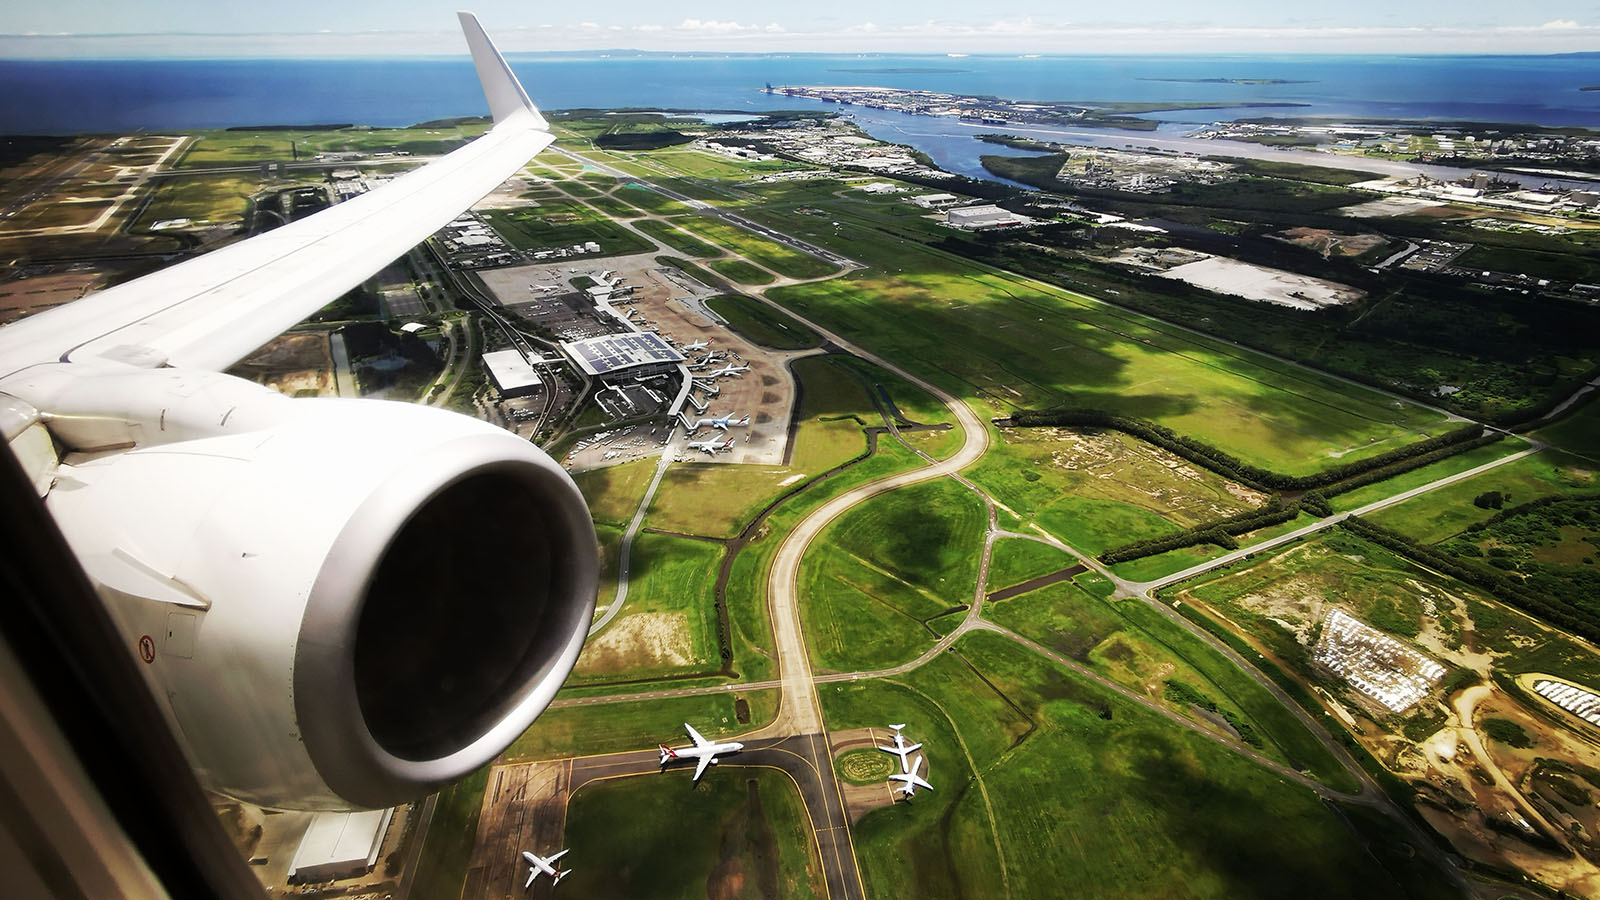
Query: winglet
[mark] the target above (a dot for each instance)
(500, 87)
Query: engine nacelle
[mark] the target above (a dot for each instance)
(346, 605)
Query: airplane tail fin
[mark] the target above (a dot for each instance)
(500, 87)
(562, 874)
(666, 753)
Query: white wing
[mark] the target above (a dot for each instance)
(695, 736)
(210, 312)
(700, 767)
(552, 858)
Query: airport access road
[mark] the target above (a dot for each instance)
(808, 762)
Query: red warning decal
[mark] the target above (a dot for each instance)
(147, 649)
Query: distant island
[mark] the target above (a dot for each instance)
(906, 70)
(1231, 80)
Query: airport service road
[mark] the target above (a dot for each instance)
(671, 450)
(1144, 588)
(807, 760)
(798, 709)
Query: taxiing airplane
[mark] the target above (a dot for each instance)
(288, 527)
(703, 750)
(697, 345)
(901, 748)
(722, 423)
(910, 780)
(543, 865)
(711, 446)
(729, 369)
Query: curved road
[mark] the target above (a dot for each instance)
(798, 709)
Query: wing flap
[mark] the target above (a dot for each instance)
(695, 735)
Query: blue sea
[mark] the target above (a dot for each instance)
(62, 97)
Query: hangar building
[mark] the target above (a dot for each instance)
(511, 373)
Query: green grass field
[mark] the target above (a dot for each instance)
(882, 568)
(741, 271)
(562, 223)
(668, 624)
(763, 324)
(1444, 468)
(218, 199)
(1002, 341)
(1047, 786)
(447, 848)
(1096, 488)
(677, 239)
(1016, 560)
(632, 725)
(649, 200)
(1577, 431)
(613, 492)
(700, 164)
(769, 253)
(233, 148)
(1133, 645)
(615, 208)
(1439, 514)
(740, 833)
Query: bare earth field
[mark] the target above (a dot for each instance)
(1252, 282)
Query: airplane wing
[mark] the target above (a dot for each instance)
(212, 311)
(695, 735)
(700, 767)
(553, 857)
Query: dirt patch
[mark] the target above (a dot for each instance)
(1331, 243)
(641, 640)
(1129, 470)
(296, 365)
(860, 799)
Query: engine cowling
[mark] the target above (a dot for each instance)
(342, 603)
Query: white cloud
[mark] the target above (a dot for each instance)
(1008, 35)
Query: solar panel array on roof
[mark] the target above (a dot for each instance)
(615, 352)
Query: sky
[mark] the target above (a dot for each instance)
(234, 28)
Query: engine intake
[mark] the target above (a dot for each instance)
(345, 607)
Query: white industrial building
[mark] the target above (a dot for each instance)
(936, 201)
(339, 845)
(1373, 663)
(985, 216)
(512, 375)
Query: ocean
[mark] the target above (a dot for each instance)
(71, 96)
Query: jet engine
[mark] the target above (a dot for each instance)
(340, 603)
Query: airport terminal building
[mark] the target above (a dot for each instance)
(631, 355)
